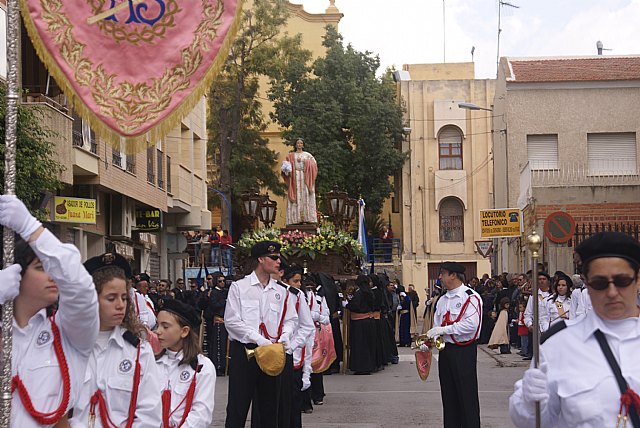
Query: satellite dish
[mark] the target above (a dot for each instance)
(176, 243)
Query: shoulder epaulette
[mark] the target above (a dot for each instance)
(294, 290)
(282, 284)
(131, 338)
(552, 330)
(469, 292)
(194, 364)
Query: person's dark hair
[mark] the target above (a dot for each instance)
(130, 321)
(504, 301)
(561, 276)
(23, 254)
(190, 344)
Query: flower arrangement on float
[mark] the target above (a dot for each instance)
(297, 243)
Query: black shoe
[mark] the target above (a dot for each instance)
(527, 358)
(318, 402)
(307, 411)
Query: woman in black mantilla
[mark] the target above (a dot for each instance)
(381, 308)
(362, 335)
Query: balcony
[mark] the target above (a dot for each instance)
(604, 172)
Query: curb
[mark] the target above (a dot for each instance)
(500, 361)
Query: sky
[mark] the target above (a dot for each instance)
(411, 31)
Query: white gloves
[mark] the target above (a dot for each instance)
(435, 332)
(10, 283)
(534, 385)
(306, 382)
(15, 215)
(287, 346)
(263, 341)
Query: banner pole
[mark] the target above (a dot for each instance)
(11, 124)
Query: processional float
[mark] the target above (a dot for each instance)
(132, 69)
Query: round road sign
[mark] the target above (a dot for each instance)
(559, 227)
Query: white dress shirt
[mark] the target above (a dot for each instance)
(452, 301)
(305, 329)
(582, 303)
(111, 370)
(583, 391)
(551, 308)
(33, 356)
(249, 304)
(178, 378)
(543, 314)
(146, 315)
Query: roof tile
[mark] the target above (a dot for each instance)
(575, 69)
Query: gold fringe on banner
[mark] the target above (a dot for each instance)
(136, 143)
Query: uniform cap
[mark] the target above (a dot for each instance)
(609, 244)
(184, 311)
(106, 260)
(452, 267)
(265, 248)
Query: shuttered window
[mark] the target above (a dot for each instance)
(612, 153)
(451, 220)
(542, 151)
(450, 148)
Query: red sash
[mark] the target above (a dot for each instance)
(16, 383)
(263, 327)
(98, 399)
(166, 403)
(446, 320)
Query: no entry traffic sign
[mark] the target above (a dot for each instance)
(559, 227)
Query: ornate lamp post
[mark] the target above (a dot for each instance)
(251, 202)
(350, 212)
(336, 201)
(268, 210)
(533, 242)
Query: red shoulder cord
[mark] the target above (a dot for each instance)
(166, 403)
(628, 399)
(263, 327)
(446, 320)
(56, 415)
(98, 399)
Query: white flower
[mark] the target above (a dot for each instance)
(286, 167)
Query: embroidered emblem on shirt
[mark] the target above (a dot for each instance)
(185, 375)
(125, 366)
(458, 305)
(43, 337)
(277, 296)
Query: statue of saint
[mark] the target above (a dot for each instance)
(299, 171)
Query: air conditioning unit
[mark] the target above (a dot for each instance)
(123, 216)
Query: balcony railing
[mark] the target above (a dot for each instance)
(605, 172)
(78, 141)
(380, 251)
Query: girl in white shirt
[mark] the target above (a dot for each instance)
(559, 303)
(49, 352)
(121, 387)
(188, 377)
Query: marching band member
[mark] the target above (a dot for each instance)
(52, 348)
(188, 397)
(543, 314)
(143, 304)
(458, 317)
(559, 303)
(259, 312)
(320, 315)
(121, 386)
(598, 386)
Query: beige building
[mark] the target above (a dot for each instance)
(566, 140)
(448, 177)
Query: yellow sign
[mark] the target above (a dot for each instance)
(75, 210)
(505, 223)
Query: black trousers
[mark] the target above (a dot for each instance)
(246, 380)
(296, 402)
(286, 393)
(317, 387)
(457, 367)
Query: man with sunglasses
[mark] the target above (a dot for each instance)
(259, 312)
(589, 374)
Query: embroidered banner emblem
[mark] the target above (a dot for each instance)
(133, 68)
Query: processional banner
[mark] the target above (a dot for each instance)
(132, 68)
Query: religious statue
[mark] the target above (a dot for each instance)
(299, 171)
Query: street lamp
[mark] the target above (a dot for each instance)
(336, 202)
(472, 106)
(268, 210)
(350, 212)
(251, 205)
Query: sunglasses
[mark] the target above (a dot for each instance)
(273, 257)
(221, 280)
(602, 283)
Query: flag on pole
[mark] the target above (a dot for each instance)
(132, 69)
(362, 230)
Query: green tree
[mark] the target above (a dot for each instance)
(37, 170)
(236, 121)
(350, 119)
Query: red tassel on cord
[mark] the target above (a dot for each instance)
(166, 403)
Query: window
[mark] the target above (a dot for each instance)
(450, 148)
(612, 154)
(131, 163)
(116, 157)
(160, 167)
(451, 220)
(150, 158)
(542, 151)
(82, 135)
(168, 174)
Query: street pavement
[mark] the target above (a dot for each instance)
(396, 397)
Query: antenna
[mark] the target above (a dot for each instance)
(601, 47)
(444, 36)
(501, 3)
(473, 49)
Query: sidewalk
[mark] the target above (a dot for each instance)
(505, 360)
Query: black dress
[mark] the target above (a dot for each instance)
(362, 334)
